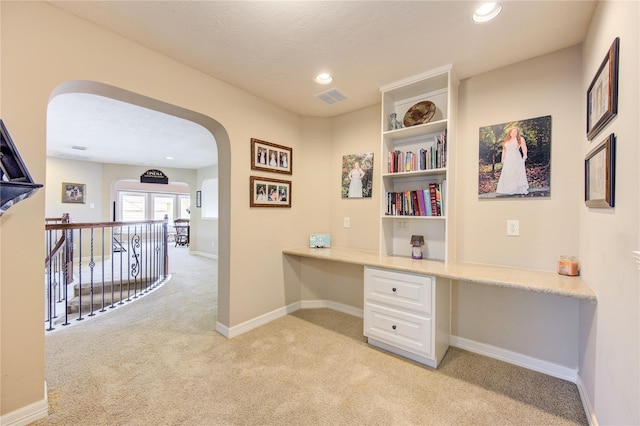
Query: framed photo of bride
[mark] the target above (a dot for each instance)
(515, 159)
(270, 157)
(357, 175)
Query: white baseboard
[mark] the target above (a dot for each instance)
(29, 414)
(203, 254)
(586, 403)
(230, 332)
(335, 306)
(546, 367)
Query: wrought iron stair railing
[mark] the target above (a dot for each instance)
(94, 267)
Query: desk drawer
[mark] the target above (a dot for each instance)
(400, 329)
(408, 291)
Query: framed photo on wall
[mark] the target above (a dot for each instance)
(266, 192)
(357, 175)
(599, 174)
(602, 95)
(74, 192)
(270, 157)
(515, 159)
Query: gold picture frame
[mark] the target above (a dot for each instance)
(75, 193)
(599, 174)
(267, 192)
(269, 157)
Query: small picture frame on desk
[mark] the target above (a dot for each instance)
(599, 174)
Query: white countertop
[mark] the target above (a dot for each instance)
(525, 279)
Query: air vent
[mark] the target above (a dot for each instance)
(71, 155)
(331, 97)
(79, 147)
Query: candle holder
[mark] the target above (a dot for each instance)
(417, 241)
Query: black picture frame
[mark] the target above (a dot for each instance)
(198, 199)
(602, 94)
(599, 174)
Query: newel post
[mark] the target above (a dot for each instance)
(165, 231)
(68, 249)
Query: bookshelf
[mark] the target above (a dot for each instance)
(418, 165)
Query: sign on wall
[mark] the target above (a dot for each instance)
(154, 176)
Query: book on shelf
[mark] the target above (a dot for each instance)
(422, 202)
(433, 156)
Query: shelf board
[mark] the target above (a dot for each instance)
(421, 129)
(403, 217)
(415, 173)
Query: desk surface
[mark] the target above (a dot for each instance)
(502, 276)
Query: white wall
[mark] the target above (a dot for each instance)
(610, 331)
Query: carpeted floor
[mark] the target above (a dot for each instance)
(159, 361)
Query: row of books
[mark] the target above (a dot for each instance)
(432, 157)
(425, 202)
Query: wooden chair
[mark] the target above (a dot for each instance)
(182, 231)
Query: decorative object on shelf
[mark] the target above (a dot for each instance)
(270, 157)
(602, 94)
(357, 175)
(417, 241)
(320, 241)
(568, 265)
(266, 192)
(16, 183)
(393, 120)
(198, 199)
(599, 174)
(74, 193)
(515, 159)
(420, 113)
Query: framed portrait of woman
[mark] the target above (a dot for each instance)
(357, 175)
(515, 159)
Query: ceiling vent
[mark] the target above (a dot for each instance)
(79, 147)
(331, 97)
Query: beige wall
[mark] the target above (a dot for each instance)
(37, 36)
(610, 331)
(546, 326)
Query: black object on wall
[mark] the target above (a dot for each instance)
(16, 183)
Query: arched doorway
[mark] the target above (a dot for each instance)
(220, 142)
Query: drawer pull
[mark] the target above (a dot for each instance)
(393, 326)
(394, 289)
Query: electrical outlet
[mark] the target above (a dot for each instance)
(347, 222)
(513, 228)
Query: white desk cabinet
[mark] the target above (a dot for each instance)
(407, 314)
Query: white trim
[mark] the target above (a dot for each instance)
(236, 330)
(335, 306)
(231, 332)
(586, 403)
(28, 414)
(541, 366)
(203, 254)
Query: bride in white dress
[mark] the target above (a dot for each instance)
(513, 178)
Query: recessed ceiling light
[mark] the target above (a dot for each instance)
(169, 158)
(487, 12)
(323, 78)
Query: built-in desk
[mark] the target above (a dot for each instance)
(548, 282)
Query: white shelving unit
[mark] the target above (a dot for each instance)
(439, 86)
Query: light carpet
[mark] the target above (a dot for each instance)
(159, 361)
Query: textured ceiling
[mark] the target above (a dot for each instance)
(274, 48)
